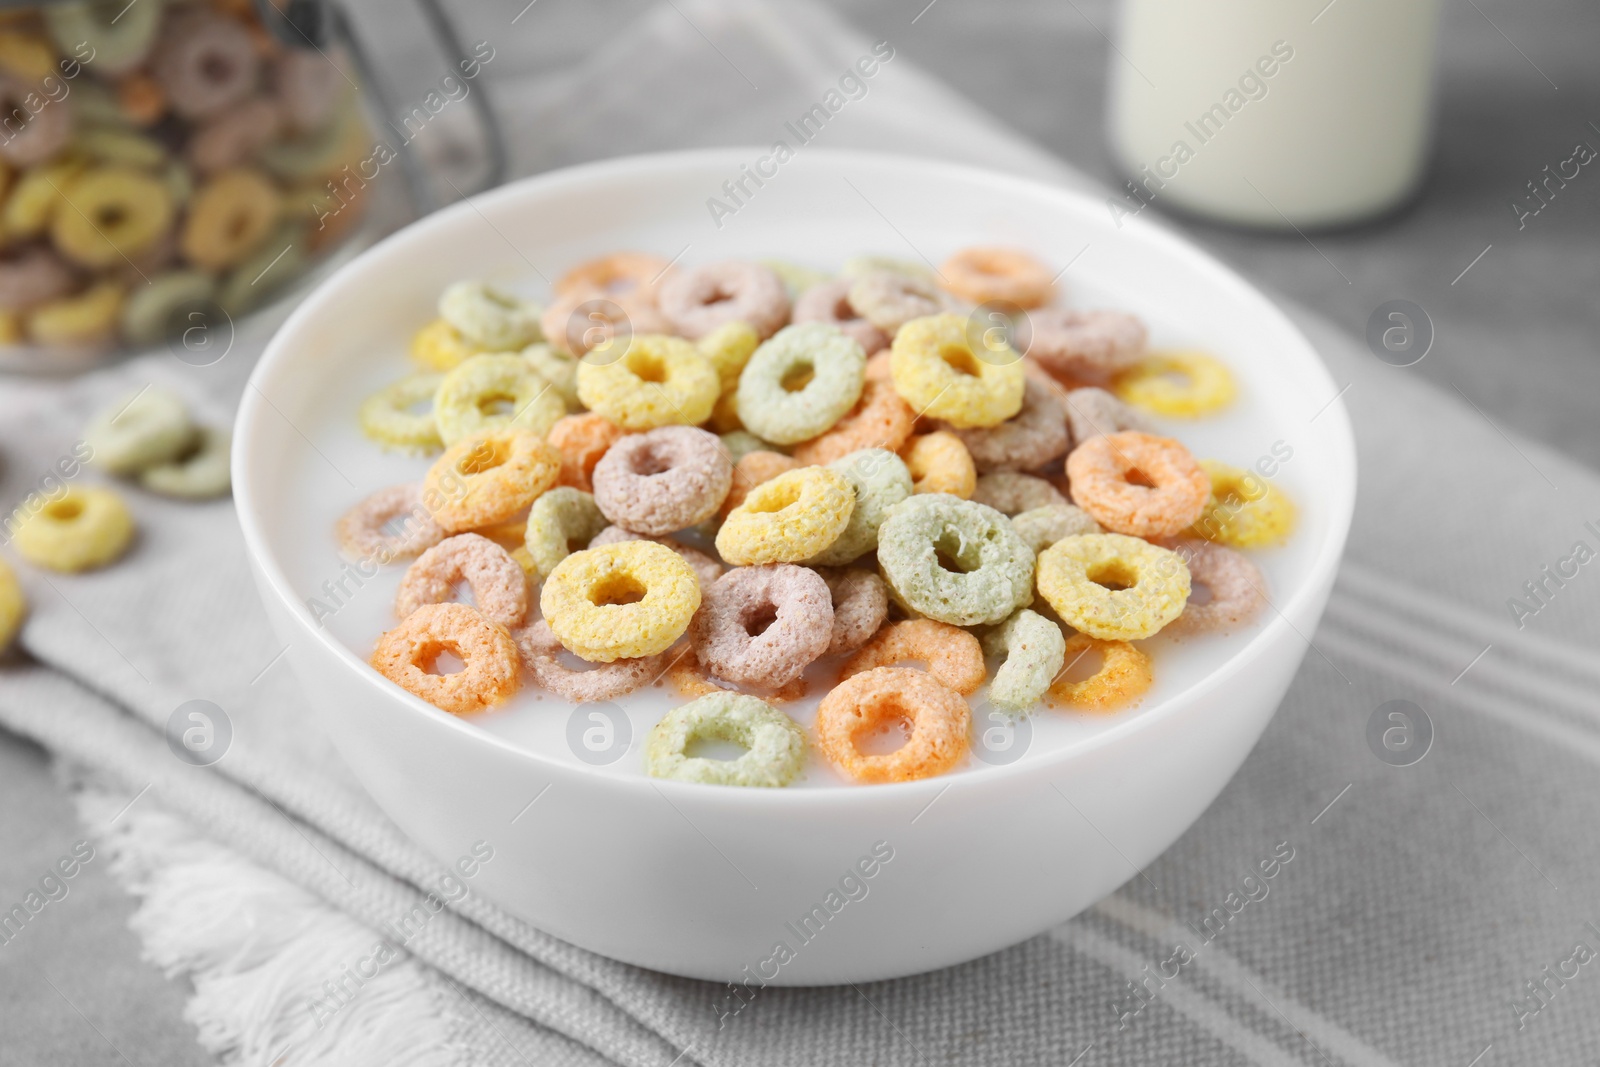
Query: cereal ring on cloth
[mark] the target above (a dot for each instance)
(860, 604)
(940, 376)
(621, 601)
(499, 589)
(953, 656)
(160, 308)
(657, 381)
(134, 432)
(879, 419)
(88, 318)
(763, 626)
(753, 469)
(789, 519)
(699, 300)
(879, 480)
(488, 317)
(559, 519)
(204, 62)
(1178, 384)
(112, 213)
(882, 698)
(1040, 528)
(890, 300)
(618, 274)
(799, 383)
(775, 745)
(582, 440)
(83, 528)
(13, 606)
(228, 218)
(541, 652)
(120, 37)
(1085, 344)
(386, 416)
(198, 474)
(234, 136)
(1242, 509)
(940, 463)
(1011, 493)
(437, 346)
(583, 320)
(990, 570)
(1124, 675)
(480, 481)
(406, 654)
(1032, 649)
(1093, 412)
(706, 569)
(367, 531)
(1031, 438)
(45, 132)
(468, 396)
(1112, 586)
(829, 303)
(30, 276)
(664, 480)
(1236, 588)
(1138, 483)
(982, 274)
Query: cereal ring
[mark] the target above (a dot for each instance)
(559, 519)
(1242, 509)
(480, 481)
(1138, 483)
(116, 145)
(879, 481)
(490, 318)
(1112, 586)
(542, 653)
(706, 569)
(1011, 493)
(307, 87)
(1234, 584)
(953, 656)
(465, 405)
(1085, 344)
(763, 626)
(83, 528)
(140, 99)
(800, 382)
(797, 277)
(46, 128)
(860, 604)
(386, 416)
(165, 307)
(1178, 384)
(406, 655)
(697, 301)
(558, 368)
(27, 55)
(280, 256)
(343, 142)
(880, 419)
(199, 474)
(775, 745)
(36, 196)
(791, 518)
(940, 463)
(113, 212)
(234, 136)
(880, 698)
(829, 303)
(499, 588)
(691, 680)
(620, 601)
(437, 346)
(1031, 438)
(740, 444)
(88, 318)
(13, 606)
(1040, 528)
(582, 320)
(1033, 649)
(753, 469)
(889, 301)
(205, 62)
(861, 266)
(940, 376)
(983, 274)
(990, 573)
(664, 480)
(1124, 674)
(369, 530)
(230, 216)
(658, 381)
(618, 274)
(134, 432)
(30, 276)
(1093, 412)
(119, 38)
(582, 440)
(729, 348)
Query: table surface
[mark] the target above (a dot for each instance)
(1515, 337)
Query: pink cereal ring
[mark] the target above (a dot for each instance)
(1031, 438)
(368, 530)
(205, 62)
(1085, 344)
(234, 136)
(697, 301)
(1092, 411)
(45, 127)
(987, 273)
(542, 652)
(1236, 586)
(662, 481)
(1138, 483)
(307, 86)
(32, 275)
(583, 319)
(829, 302)
(860, 605)
(706, 569)
(498, 583)
(763, 626)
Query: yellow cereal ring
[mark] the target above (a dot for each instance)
(484, 480)
(111, 214)
(26, 55)
(657, 381)
(386, 416)
(84, 527)
(89, 317)
(1177, 383)
(1124, 674)
(1243, 510)
(1112, 586)
(729, 347)
(940, 463)
(11, 327)
(620, 601)
(38, 193)
(13, 606)
(229, 217)
(789, 519)
(437, 346)
(936, 370)
(467, 398)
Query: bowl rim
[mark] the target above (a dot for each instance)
(1341, 496)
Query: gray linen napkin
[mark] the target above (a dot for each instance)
(1411, 907)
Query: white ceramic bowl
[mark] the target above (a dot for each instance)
(707, 881)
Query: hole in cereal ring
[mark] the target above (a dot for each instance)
(888, 733)
(649, 461)
(64, 510)
(1199, 593)
(646, 366)
(1082, 667)
(955, 554)
(759, 618)
(798, 377)
(497, 404)
(615, 590)
(775, 500)
(485, 456)
(961, 360)
(1113, 576)
(438, 658)
(713, 748)
(1135, 476)
(110, 216)
(719, 295)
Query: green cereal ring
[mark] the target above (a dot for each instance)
(861, 266)
(490, 318)
(1034, 649)
(281, 257)
(120, 35)
(776, 746)
(797, 277)
(197, 476)
(156, 310)
(92, 102)
(115, 145)
(386, 416)
(801, 382)
(464, 405)
(560, 518)
(319, 152)
(1113, 587)
(740, 444)
(990, 573)
(557, 368)
(1042, 527)
(134, 432)
(880, 480)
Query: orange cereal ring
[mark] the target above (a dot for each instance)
(229, 216)
(582, 440)
(583, 319)
(1137, 483)
(483, 480)
(880, 419)
(751, 470)
(940, 463)
(1124, 674)
(141, 98)
(881, 698)
(406, 656)
(620, 273)
(986, 273)
(953, 656)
